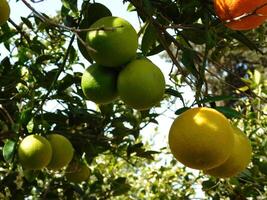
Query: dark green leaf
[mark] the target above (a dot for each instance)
(9, 150)
(27, 22)
(228, 112)
(245, 40)
(149, 39)
(181, 110)
(206, 185)
(188, 57)
(210, 99)
(119, 186)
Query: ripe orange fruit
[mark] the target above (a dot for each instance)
(141, 84)
(77, 172)
(62, 151)
(238, 160)
(201, 138)
(34, 152)
(4, 11)
(241, 14)
(99, 84)
(115, 41)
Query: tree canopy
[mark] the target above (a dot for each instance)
(40, 93)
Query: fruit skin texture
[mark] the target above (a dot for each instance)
(201, 138)
(4, 11)
(230, 9)
(62, 151)
(99, 84)
(77, 172)
(141, 84)
(34, 152)
(238, 160)
(94, 12)
(113, 47)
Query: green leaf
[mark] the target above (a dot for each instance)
(206, 185)
(26, 116)
(119, 186)
(263, 167)
(149, 39)
(131, 8)
(188, 57)
(228, 112)
(27, 22)
(41, 59)
(210, 99)
(173, 92)
(9, 150)
(181, 110)
(70, 4)
(245, 40)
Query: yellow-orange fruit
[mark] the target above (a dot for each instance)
(241, 14)
(201, 138)
(238, 160)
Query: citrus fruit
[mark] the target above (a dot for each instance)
(77, 172)
(62, 151)
(34, 152)
(201, 138)
(115, 41)
(92, 13)
(241, 14)
(141, 84)
(239, 158)
(4, 11)
(99, 84)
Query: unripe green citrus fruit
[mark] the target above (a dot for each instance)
(201, 138)
(99, 84)
(77, 172)
(34, 152)
(115, 41)
(4, 11)
(62, 151)
(92, 13)
(239, 158)
(141, 84)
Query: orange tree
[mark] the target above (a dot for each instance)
(223, 67)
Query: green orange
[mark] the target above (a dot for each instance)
(141, 84)
(114, 41)
(99, 84)
(77, 172)
(62, 151)
(34, 152)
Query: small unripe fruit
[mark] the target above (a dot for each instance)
(62, 151)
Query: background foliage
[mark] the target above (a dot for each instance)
(225, 69)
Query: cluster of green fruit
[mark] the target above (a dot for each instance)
(204, 139)
(4, 11)
(112, 43)
(55, 152)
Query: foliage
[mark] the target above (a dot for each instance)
(225, 69)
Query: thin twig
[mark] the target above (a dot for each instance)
(61, 68)
(6, 114)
